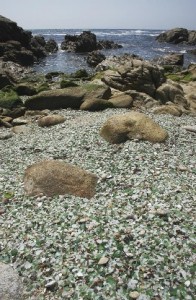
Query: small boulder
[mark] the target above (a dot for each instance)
(11, 287)
(168, 109)
(132, 125)
(50, 120)
(121, 100)
(96, 104)
(51, 177)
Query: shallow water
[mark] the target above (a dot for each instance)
(134, 41)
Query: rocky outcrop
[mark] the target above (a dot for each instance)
(11, 287)
(129, 73)
(85, 42)
(132, 125)
(10, 31)
(178, 36)
(20, 46)
(51, 46)
(58, 178)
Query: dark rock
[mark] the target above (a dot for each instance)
(24, 57)
(37, 45)
(8, 46)
(10, 31)
(14, 112)
(25, 89)
(192, 51)
(85, 42)
(94, 58)
(5, 79)
(51, 46)
(105, 44)
(177, 36)
(81, 73)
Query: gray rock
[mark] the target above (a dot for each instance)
(11, 287)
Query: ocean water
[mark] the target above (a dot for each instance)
(134, 41)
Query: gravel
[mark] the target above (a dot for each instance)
(134, 238)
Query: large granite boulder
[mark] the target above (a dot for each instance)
(51, 177)
(55, 99)
(132, 125)
(11, 287)
(129, 73)
(177, 36)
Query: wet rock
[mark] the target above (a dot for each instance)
(94, 58)
(51, 46)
